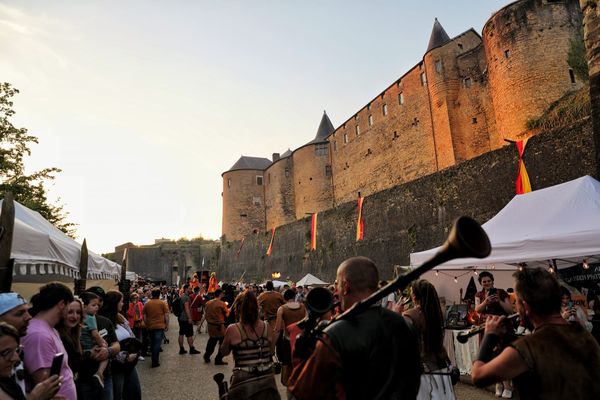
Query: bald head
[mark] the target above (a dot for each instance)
(360, 273)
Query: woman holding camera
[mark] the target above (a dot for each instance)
(492, 301)
(252, 344)
(572, 312)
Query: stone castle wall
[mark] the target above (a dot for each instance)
(526, 44)
(413, 216)
(244, 198)
(312, 184)
(396, 148)
(279, 193)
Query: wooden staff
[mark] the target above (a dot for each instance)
(83, 270)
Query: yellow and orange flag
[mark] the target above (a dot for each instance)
(270, 249)
(522, 183)
(313, 232)
(360, 227)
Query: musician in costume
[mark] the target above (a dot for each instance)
(372, 355)
(559, 360)
(194, 283)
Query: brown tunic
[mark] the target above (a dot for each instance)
(216, 311)
(291, 315)
(563, 361)
(269, 302)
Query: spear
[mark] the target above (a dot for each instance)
(7, 224)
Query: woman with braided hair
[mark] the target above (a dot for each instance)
(427, 320)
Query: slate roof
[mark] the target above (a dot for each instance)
(287, 153)
(325, 129)
(246, 162)
(438, 37)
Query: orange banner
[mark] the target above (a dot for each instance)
(522, 183)
(313, 232)
(360, 227)
(270, 249)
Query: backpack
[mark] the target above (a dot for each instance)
(176, 307)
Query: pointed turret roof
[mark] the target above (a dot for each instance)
(438, 36)
(286, 153)
(325, 129)
(245, 162)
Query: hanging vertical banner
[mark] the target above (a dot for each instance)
(313, 232)
(522, 183)
(237, 255)
(360, 227)
(270, 249)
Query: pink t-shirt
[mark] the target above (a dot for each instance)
(40, 345)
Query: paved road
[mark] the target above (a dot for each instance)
(188, 377)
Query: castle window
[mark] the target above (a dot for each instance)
(257, 201)
(468, 82)
(384, 109)
(259, 180)
(506, 53)
(423, 79)
(228, 182)
(328, 170)
(382, 95)
(370, 120)
(369, 107)
(401, 98)
(345, 138)
(243, 215)
(356, 117)
(460, 46)
(474, 120)
(287, 172)
(396, 136)
(321, 149)
(572, 75)
(438, 66)
(357, 129)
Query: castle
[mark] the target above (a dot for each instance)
(469, 95)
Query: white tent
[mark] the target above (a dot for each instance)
(310, 280)
(560, 223)
(42, 252)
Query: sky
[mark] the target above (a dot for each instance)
(143, 104)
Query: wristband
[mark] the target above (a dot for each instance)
(486, 350)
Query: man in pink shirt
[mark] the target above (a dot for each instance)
(42, 342)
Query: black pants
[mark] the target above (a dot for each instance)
(210, 347)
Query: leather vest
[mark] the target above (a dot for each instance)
(379, 354)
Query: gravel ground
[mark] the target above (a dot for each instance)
(188, 377)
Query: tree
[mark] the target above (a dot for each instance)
(28, 190)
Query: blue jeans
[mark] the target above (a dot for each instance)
(156, 337)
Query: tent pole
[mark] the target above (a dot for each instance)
(7, 224)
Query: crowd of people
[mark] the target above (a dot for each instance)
(391, 350)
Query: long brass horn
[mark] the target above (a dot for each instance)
(467, 239)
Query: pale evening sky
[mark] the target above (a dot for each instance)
(144, 103)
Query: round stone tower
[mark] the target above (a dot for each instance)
(312, 173)
(243, 197)
(526, 45)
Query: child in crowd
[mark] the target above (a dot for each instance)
(90, 336)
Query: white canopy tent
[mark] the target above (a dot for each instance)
(560, 223)
(42, 252)
(310, 280)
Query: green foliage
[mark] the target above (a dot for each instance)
(577, 58)
(567, 110)
(28, 190)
